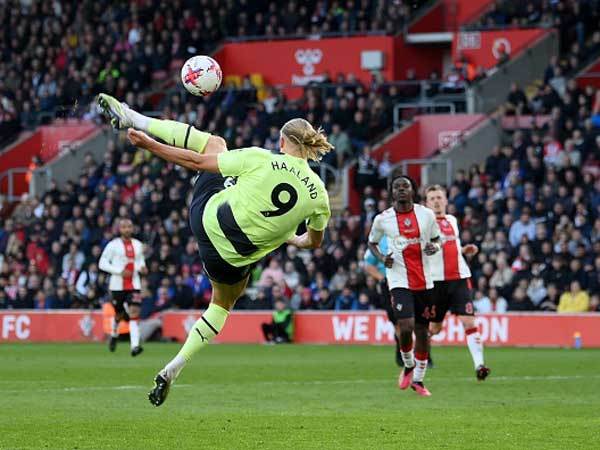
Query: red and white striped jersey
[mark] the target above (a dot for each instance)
(118, 255)
(407, 235)
(449, 264)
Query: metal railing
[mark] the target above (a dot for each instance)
(421, 86)
(9, 175)
(433, 171)
(304, 36)
(430, 107)
(330, 176)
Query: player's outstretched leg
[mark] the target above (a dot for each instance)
(421, 356)
(114, 334)
(134, 330)
(398, 352)
(475, 345)
(202, 332)
(430, 364)
(405, 328)
(174, 133)
(115, 111)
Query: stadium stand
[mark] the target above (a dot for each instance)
(56, 56)
(532, 206)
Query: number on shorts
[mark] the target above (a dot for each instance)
(282, 207)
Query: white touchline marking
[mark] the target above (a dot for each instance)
(434, 378)
(391, 380)
(93, 388)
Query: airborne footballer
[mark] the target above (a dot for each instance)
(237, 226)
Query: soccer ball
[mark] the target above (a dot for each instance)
(201, 75)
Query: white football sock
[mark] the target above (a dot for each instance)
(408, 358)
(475, 346)
(134, 333)
(421, 367)
(140, 121)
(115, 328)
(175, 366)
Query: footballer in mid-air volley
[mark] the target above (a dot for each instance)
(235, 226)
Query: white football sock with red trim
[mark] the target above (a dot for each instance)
(475, 346)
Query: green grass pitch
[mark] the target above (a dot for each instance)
(333, 397)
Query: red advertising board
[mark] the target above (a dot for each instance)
(374, 328)
(449, 15)
(513, 329)
(54, 326)
(301, 61)
(483, 48)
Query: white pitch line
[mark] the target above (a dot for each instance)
(492, 378)
(390, 380)
(91, 388)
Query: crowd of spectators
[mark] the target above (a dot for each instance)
(352, 114)
(55, 56)
(575, 20)
(533, 208)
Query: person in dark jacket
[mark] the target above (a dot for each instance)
(23, 299)
(520, 301)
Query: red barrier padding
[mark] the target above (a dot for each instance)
(301, 61)
(513, 329)
(483, 48)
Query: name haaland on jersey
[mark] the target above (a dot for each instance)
(281, 165)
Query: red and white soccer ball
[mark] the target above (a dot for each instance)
(201, 75)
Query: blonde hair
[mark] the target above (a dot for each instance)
(435, 187)
(311, 143)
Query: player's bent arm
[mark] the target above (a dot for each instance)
(105, 263)
(186, 158)
(375, 250)
(435, 242)
(374, 272)
(311, 239)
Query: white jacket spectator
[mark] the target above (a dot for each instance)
(491, 304)
(73, 260)
(291, 276)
